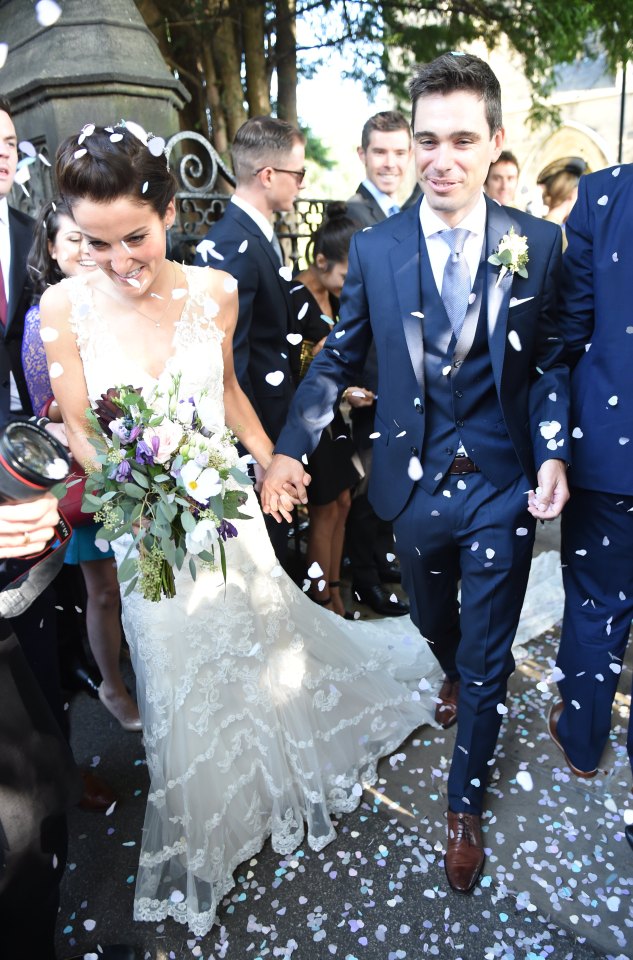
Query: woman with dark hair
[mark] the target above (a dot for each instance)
(260, 709)
(331, 465)
(59, 251)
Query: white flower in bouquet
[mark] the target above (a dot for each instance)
(201, 483)
(185, 411)
(208, 412)
(203, 537)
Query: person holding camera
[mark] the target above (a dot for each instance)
(38, 778)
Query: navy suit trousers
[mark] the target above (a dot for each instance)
(597, 554)
(469, 530)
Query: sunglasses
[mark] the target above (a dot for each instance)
(299, 174)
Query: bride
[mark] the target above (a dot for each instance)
(262, 713)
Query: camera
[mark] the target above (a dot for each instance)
(31, 461)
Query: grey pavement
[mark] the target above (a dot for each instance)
(557, 881)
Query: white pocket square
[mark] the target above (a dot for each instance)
(515, 303)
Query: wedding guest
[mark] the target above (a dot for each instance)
(471, 412)
(385, 152)
(16, 235)
(268, 160)
(559, 183)
(38, 779)
(597, 524)
(315, 298)
(59, 250)
(503, 179)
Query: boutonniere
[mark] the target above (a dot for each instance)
(511, 255)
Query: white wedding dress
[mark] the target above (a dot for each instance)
(263, 714)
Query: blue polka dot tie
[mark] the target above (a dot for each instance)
(456, 281)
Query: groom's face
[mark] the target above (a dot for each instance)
(453, 152)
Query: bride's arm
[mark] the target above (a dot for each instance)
(66, 371)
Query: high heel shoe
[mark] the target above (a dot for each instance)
(127, 722)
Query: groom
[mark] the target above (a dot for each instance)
(471, 412)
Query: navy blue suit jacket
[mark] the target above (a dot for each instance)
(597, 326)
(265, 319)
(382, 298)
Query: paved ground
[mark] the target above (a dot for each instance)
(557, 882)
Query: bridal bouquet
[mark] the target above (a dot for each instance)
(166, 473)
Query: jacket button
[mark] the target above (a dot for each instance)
(458, 363)
(419, 408)
(459, 423)
(459, 394)
(448, 450)
(414, 451)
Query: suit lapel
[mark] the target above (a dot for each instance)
(19, 240)
(256, 236)
(405, 263)
(499, 221)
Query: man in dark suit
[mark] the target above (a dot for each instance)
(385, 152)
(472, 411)
(597, 526)
(268, 161)
(16, 236)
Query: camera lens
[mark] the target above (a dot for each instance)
(31, 461)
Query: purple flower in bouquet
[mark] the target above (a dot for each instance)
(122, 472)
(106, 409)
(145, 453)
(226, 530)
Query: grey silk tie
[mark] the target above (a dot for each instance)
(456, 282)
(277, 248)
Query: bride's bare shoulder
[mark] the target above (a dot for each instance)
(217, 285)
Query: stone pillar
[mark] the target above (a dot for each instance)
(98, 63)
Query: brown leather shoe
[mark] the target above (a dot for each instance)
(552, 726)
(465, 852)
(446, 709)
(97, 795)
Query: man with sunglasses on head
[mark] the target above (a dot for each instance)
(268, 160)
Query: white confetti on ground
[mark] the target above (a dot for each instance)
(47, 12)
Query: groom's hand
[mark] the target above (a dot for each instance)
(283, 486)
(552, 493)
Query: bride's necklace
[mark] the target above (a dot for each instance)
(155, 320)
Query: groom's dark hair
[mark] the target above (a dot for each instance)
(459, 71)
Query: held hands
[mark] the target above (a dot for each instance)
(284, 486)
(552, 493)
(359, 397)
(26, 528)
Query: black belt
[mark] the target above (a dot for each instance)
(462, 464)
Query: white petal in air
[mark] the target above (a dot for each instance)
(614, 257)
(47, 12)
(4, 49)
(230, 284)
(48, 334)
(303, 311)
(602, 202)
(156, 146)
(27, 148)
(55, 370)
(243, 246)
(315, 571)
(414, 469)
(115, 137)
(178, 293)
(274, 378)
(78, 154)
(613, 401)
(623, 440)
(339, 333)
(285, 273)
(577, 433)
(294, 338)
(616, 172)
(549, 429)
(515, 342)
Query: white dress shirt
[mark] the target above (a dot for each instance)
(385, 202)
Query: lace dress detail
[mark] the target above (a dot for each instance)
(262, 713)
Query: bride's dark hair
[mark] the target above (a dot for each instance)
(102, 164)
